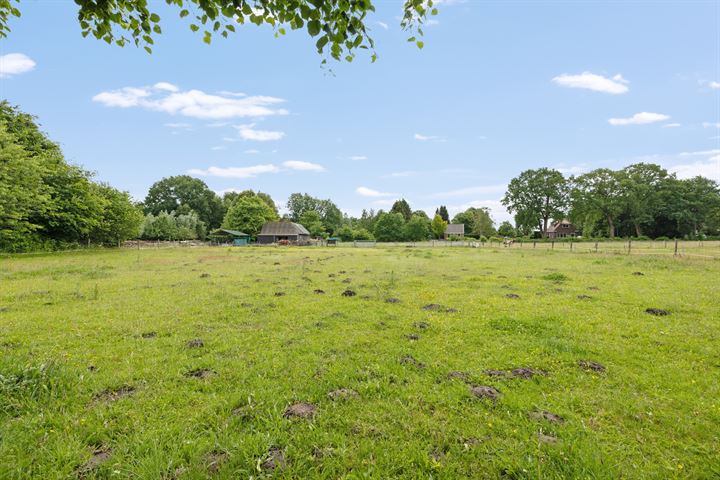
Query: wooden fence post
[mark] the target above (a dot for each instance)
(534, 242)
(571, 242)
(596, 246)
(552, 245)
(676, 247)
(629, 245)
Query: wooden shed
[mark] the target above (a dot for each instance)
(225, 236)
(273, 232)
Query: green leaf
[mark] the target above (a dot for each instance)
(194, 27)
(411, 39)
(321, 43)
(148, 49)
(420, 44)
(154, 17)
(184, 13)
(207, 38)
(313, 27)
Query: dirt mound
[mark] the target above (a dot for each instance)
(349, 293)
(658, 312)
(410, 360)
(392, 300)
(214, 461)
(542, 438)
(549, 416)
(590, 365)
(300, 410)
(584, 297)
(279, 294)
(496, 373)
(274, 458)
(204, 275)
(98, 457)
(318, 291)
(343, 394)
(114, 394)
(421, 325)
(433, 307)
(200, 373)
(512, 295)
(456, 375)
(195, 343)
(149, 335)
(638, 274)
(485, 392)
(413, 336)
(527, 373)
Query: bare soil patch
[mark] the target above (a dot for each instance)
(658, 312)
(527, 373)
(114, 394)
(457, 375)
(584, 297)
(413, 337)
(215, 460)
(149, 335)
(545, 415)
(279, 294)
(590, 365)
(300, 410)
(195, 343)
(98, 457)
(410, 360)
(349, 293)
(485, 392)
(512, 295)
(201, 373)
(392, 300)
(274, 458)
(638, 274)
(421, 325)
(343, 394)
(549, 439)
(318, 291)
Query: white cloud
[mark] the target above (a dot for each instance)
(181, 126)
(358, 157)
(641, 118)
(218, 124)
(711, 124)
(709, 168)
(304, 166)
(252, 151)
(406, 173)
(426, 138)
(368, 192)
(714, 85)
(232, 94)
(671, 125)
(488, 189)
(235, 172)
(383, 25)
(590, 81)
(219, 147)
(15, 64)
(248, 132)
(168, 87)
(190, 103)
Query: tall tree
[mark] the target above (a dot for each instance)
(694, 203)
(403, 208)
(389, 227)
(183, 193)
(643, 185)
(120, 219)
(477, 221)
(438, 226)
(442, 211)
(506, 229)
(313, 223)
(598, 194)
(341, 27)
(248, 214)
(330, 214)
(537, 196)
(417, 229)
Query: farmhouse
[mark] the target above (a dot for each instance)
(273, 232)
(561, 229)
(455, 230)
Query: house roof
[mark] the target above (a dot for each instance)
(283, 229)
(554, 226)
(455, 229)
(234, 233)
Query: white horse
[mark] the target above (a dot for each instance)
(508, 242)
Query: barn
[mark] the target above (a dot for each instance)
(273, 232)
(455, 230)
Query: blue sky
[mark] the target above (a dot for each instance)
(499, 87)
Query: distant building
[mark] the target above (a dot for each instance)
(224, 235)
(273, 232)
(561, 229)
(455, 230)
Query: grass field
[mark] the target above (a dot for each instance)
(100, 376)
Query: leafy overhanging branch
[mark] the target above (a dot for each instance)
(339, 26)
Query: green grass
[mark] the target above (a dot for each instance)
(654, 413)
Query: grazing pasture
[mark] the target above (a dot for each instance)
(359, 363)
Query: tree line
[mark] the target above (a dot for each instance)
(640, 200)
(47, 204)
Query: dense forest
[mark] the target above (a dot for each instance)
(48, 204)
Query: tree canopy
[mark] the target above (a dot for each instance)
(248, 214)
(536, 197)
(182, 194)
(45, 203)
(339, 27)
